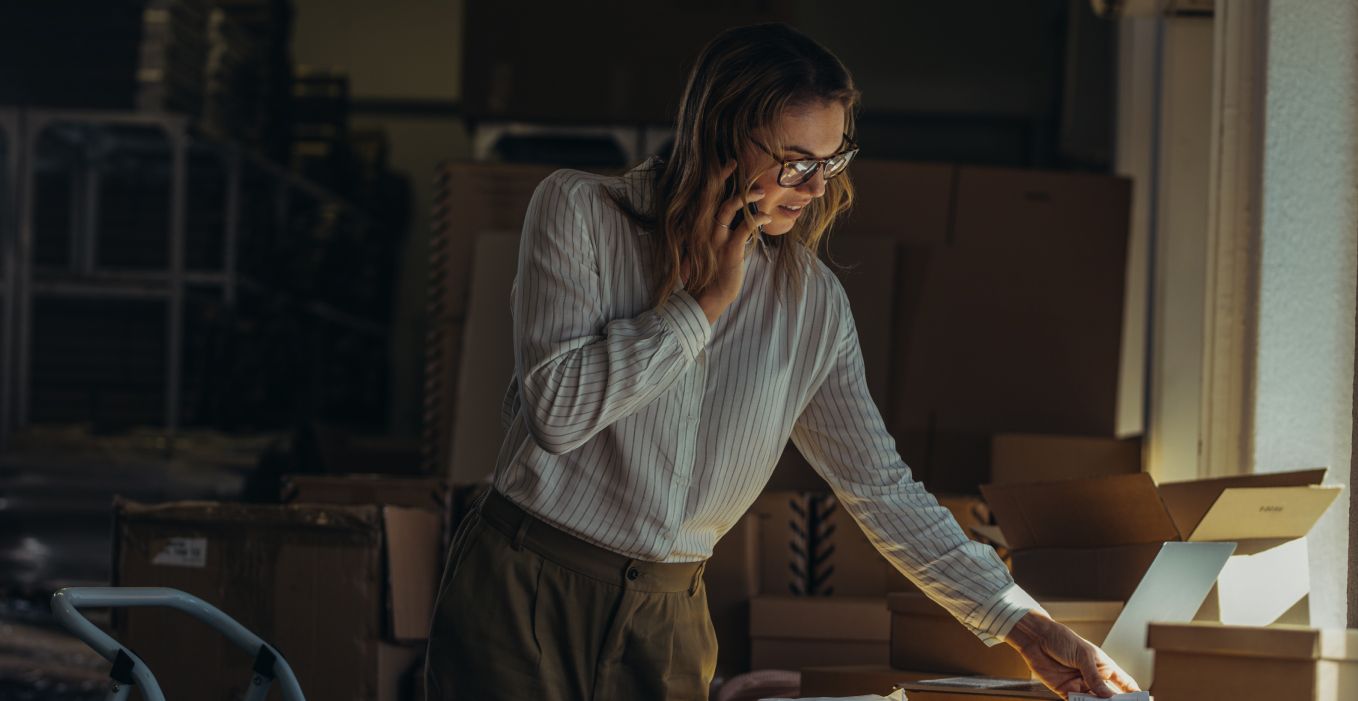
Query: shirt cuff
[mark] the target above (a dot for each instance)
(992, 620)
(687, 320)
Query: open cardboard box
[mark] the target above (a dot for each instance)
(1109, 528)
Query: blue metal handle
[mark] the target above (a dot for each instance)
(66, 601)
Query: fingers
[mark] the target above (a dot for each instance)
(1119, 678)
(728, 209)
(749, 226)
(1089, 669)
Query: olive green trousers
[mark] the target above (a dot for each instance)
(530, 613)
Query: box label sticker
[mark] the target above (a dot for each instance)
(182, 552)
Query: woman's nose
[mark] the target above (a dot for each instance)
(815, 187)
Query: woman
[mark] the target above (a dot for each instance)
(673, 328)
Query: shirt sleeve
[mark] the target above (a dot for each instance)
(842, 435)
(578, 371)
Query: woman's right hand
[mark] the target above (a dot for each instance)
(729, 241)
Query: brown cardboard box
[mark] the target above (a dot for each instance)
(1026, 457)
(925, 636)
(314, 580)
(885, 189)
(1022, 300)
(410, 536)
(1075, 520)
(795, 632)
(855, 680)
(1214, 661)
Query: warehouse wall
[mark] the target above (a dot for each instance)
(407, 55)
(1304, 399)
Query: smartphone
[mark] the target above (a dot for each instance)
(751, 207)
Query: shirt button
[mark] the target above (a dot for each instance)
(633, 573)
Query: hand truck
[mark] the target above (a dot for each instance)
(128, 669)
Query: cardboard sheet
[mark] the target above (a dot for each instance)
(1172, 591)
(487, 362)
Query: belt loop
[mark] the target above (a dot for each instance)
(522, 531)
(697, 578)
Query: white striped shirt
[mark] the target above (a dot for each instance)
(650, 432)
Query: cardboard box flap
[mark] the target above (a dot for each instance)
(1270, 512)
(413, 560)
(1189, 502)
(1274, 642)
(362, 521)
(1115, 510)
(820, 618)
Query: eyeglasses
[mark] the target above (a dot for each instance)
(794, 173)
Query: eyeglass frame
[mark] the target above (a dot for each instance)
(852, 152)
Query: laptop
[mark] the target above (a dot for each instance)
(1171, 591)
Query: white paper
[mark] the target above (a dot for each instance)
(1130, 696)
(182, 552)
(897, 695)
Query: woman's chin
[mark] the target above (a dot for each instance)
(779, 226)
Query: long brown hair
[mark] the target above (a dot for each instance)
(744, 80)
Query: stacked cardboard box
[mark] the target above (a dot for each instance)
(1214, 661)
(345, 591)
(794, 632)
(925, 636)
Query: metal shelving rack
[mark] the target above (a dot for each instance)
(22, 280)
(9, 177)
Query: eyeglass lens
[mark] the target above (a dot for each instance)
(797, 172)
